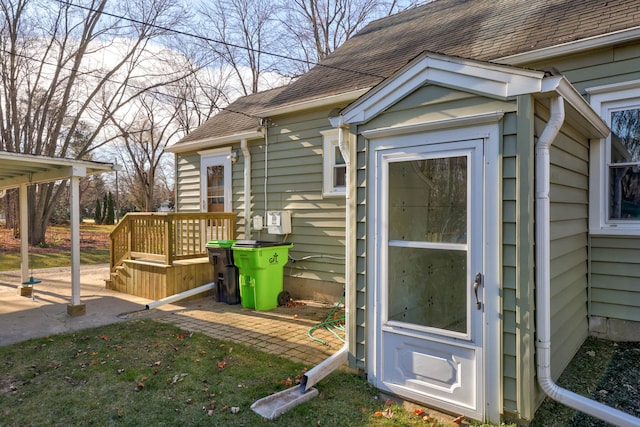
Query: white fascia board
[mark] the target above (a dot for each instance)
(213, 142)
(472, 76)
(49, 175)
(21, 158)
(573, 47)
(315, 103)
(561, 86)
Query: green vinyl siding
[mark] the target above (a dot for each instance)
(569, 196)
(615, 277)
(599, 67)
(605, 66)
(293, 182)
(517, 260)
(188, 182)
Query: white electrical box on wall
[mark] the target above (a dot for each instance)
(279, 222)
(257, 223)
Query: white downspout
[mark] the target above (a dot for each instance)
(543, 283)
(247, 188)
(339, 357)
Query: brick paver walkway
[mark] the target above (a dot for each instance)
(282, 331)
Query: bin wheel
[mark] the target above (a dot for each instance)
(283, 298)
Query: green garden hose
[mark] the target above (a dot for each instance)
(331, 324)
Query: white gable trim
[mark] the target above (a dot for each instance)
(472, 76)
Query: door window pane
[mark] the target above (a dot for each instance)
(428, 287)
(428, 200)
(215, 188)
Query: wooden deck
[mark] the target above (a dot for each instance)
(155, 255)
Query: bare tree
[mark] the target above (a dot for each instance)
(315, 28)
(238, 33)
(259, 40)
(198, 97)
(145, 132)
(64, 63)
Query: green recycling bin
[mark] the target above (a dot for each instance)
(261, 270)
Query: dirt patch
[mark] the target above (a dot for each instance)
(58, 238)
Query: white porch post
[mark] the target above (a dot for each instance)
(75, 308)
(24, 242)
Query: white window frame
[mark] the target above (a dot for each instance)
(330, 139)
(604, 100)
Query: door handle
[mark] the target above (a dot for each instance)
(476, 284)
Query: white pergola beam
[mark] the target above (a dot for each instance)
(50, 175)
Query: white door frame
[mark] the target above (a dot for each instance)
(215, 157)
(491, 385)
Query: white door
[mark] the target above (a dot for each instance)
(215, 170)
(428, 274)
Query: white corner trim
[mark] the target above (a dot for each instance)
(479, 119)
(571, 47)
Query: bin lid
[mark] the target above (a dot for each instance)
(258, 244)
(220, 243)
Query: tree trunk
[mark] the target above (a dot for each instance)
(11, 211)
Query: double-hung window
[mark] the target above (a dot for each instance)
(615, 201)
(335, 167)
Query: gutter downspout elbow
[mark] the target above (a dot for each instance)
(543, 282)
(247, 187)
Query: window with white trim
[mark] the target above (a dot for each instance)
(617, 160)
(334, 165)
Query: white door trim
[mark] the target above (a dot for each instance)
(490, 133)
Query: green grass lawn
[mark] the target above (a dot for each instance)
(11, 261)
(144, 372)
(56, 253)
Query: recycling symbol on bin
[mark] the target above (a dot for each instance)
(274, 258)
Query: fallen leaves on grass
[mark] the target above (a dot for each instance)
(459, 420)
(105, 337)
(387, 413)
(222, 364)
(176, 378)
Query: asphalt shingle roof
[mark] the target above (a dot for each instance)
(474, 29)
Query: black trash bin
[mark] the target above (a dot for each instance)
(225, 272)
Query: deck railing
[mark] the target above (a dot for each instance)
(167, 237)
